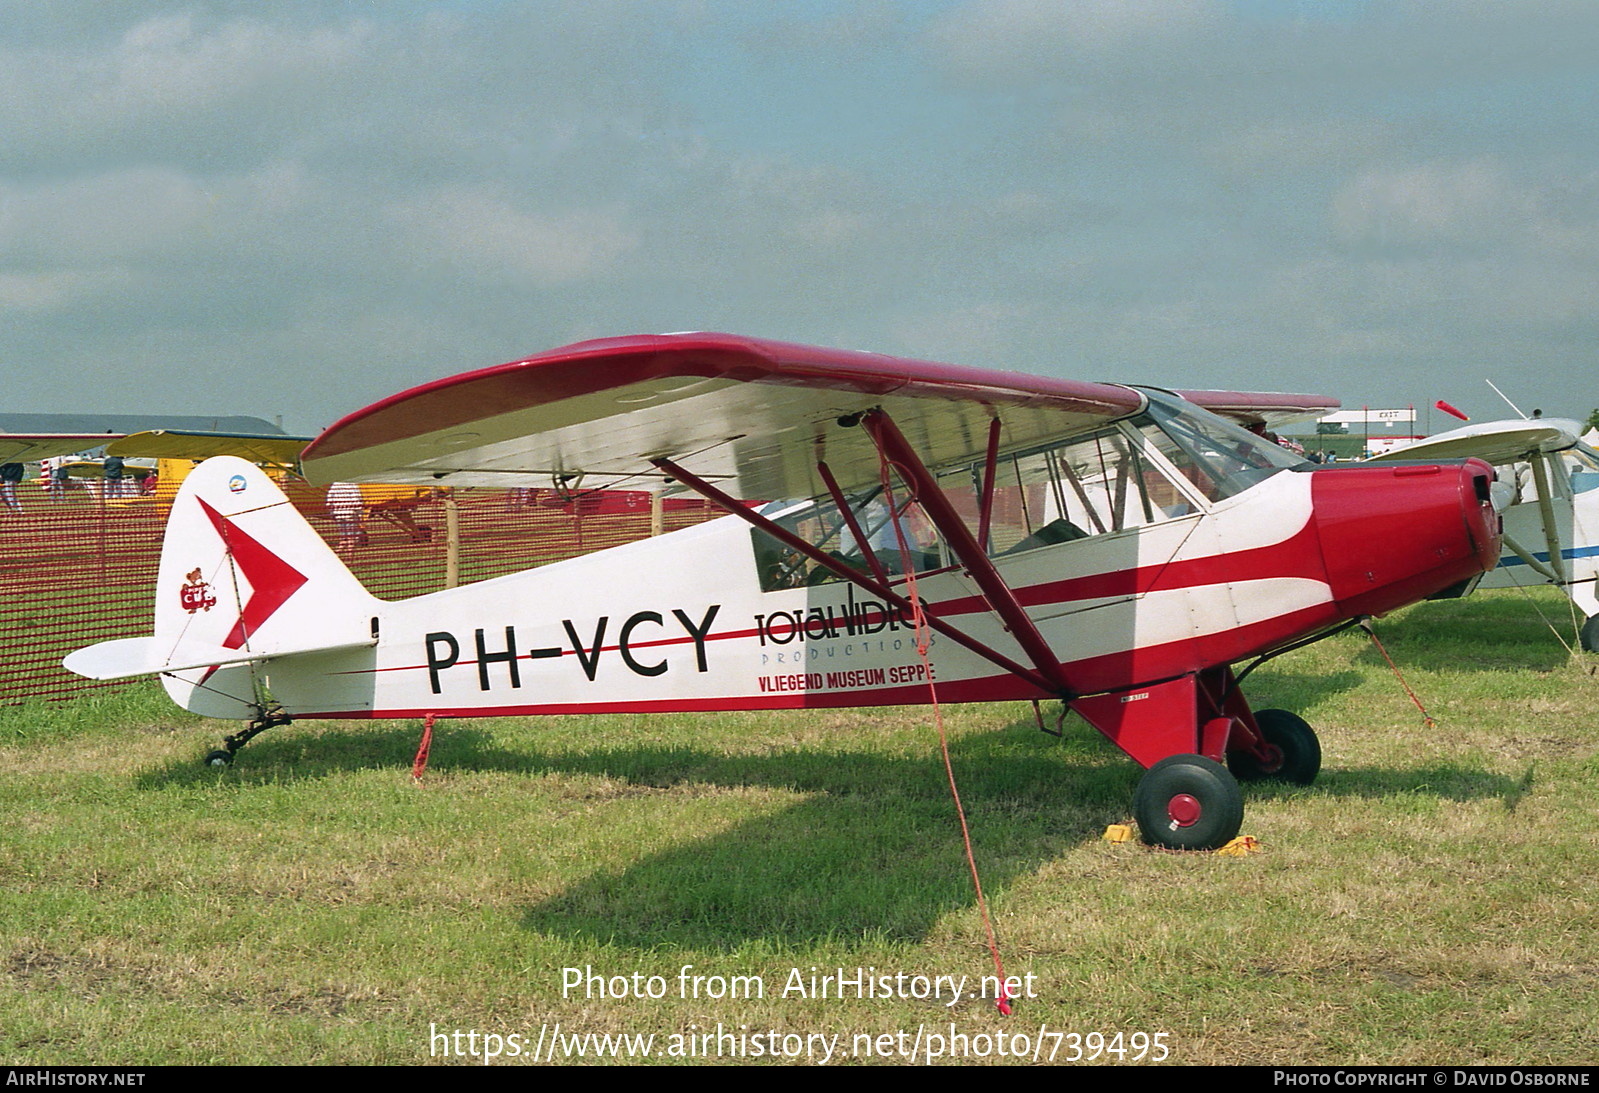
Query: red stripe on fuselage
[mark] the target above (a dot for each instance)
(1296, 557)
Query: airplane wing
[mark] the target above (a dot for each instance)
(752, 416)
(1497, 442)
(26, 447)
(1261, 410)
(274, 448)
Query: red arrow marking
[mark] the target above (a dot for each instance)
(272, 580)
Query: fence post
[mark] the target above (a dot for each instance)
(452, 540)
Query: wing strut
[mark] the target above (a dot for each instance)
(892, 443)
(990, 471)
(1546, 509)
(849, 573)
(1526, 555)
(854, 525)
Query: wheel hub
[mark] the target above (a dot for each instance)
(1271, 759)
(1183, 810)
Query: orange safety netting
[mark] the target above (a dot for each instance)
(77, 567)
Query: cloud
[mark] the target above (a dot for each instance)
(37, 292)
(175, 85)
(1015, 41)
(137, 212)
(1179, 191)
(1472, 211)
(482, 233)
(1474, 204)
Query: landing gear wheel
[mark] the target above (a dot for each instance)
(219, 759)
(1299, 752)
(1590, 634)
(1188, 802)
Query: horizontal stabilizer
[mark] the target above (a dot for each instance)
(125, 658)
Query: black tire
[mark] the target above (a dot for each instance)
(1296, 740)
(1590, 634)
(1188, 802)
(219, 758)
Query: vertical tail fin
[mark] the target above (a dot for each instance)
(242, 569)
(243, 578)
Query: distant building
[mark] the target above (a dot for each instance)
(1368, 431)
(1366, 417)
(123, 424)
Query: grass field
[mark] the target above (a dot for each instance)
(1430, 901)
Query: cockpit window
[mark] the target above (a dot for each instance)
(1099, 483)
(1582, 464)
(820, 523)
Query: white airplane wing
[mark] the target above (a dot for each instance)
(1498, 442)
(752, 416)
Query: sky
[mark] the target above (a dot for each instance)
(294, 210)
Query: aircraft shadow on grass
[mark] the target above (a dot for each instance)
(874, 849)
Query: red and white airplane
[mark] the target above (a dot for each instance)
(1116, 548)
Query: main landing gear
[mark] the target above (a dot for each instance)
(264, 720)
(1199, 739)
(1190, 802)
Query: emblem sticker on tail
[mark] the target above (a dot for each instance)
(196, 594)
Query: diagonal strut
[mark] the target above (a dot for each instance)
(849, 573)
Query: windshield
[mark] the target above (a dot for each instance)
(1218, 458)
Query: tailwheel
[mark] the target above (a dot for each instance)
(1295, 751)
(1188, 802)
(266, 719)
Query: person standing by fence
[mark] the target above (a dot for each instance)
(57, 482)
(347, 508)
(113, 467)
(10, 479)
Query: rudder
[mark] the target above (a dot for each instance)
(242, 570)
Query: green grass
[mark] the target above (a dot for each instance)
(1428, 901)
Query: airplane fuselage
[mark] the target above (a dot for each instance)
(680, 622)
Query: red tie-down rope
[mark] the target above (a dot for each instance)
(1371, 630)
(420, 764)
(919, 619)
